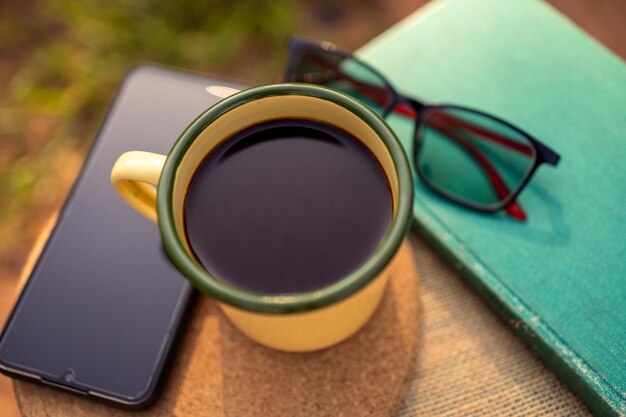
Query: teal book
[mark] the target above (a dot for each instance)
(559, 279)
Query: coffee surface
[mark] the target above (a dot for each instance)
(287, 206)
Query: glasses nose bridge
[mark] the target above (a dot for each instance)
(405, 106)
(410, 101)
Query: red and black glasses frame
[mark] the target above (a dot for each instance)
(444, 119)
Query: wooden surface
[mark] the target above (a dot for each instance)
(219, 372)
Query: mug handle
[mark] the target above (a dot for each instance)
(135, 176)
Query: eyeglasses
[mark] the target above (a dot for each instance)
(470, 157)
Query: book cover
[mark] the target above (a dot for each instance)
(559, 279)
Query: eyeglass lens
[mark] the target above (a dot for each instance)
(471, 156)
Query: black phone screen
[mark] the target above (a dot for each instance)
(103, 302)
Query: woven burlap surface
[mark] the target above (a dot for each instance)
(469, 362)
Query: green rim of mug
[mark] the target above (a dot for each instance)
(295, 302)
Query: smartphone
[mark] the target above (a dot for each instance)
(100, 311)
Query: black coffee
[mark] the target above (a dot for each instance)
(287, 206)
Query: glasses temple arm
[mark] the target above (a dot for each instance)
(487, 134)
(408, 110)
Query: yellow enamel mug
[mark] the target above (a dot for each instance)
(294, 322)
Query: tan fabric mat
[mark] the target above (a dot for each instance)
(219, 372)
(469, 362)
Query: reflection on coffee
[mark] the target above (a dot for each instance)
(287, 206)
